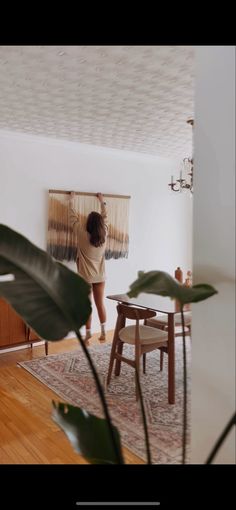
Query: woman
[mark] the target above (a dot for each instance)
(91, 259)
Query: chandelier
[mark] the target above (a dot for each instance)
(184, 182)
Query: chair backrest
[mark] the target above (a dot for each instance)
(134, 313)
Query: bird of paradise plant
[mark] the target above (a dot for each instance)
(54, 300)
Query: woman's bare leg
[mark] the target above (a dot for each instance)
(89, 323)
(98, 294)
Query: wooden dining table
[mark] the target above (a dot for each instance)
(164, 305)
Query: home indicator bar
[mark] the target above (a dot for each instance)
(117, 503)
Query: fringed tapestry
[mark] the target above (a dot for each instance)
(62, 240)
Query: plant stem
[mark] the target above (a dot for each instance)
(102, 397)
(149, 459)
(185, 390)
(221, 439)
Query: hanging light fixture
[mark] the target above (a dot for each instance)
(184, 182)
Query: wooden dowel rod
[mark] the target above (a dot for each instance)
(84, 193)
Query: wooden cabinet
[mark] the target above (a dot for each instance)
(13, 330)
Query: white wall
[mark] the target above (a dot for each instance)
(160, 221)
(213, 368)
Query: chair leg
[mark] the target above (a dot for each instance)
(120, 323)
(118, 362)
(137, 365)
(112, 359)
(144, 362)
(161, 359)
(46, 348)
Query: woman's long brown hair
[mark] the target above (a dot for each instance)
(96, 228)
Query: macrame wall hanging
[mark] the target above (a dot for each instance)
(62, 240)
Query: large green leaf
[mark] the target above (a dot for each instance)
(52, 299)
(161, 283)
(88, 434)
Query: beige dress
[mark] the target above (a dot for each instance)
(90, 259)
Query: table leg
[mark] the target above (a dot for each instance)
(171, 359)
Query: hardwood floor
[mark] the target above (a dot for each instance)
(27, 433)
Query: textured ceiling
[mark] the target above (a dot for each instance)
(134, 98)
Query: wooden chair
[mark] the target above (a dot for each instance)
(143, 338)
(161, 322)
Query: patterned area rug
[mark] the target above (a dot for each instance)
(69, 376)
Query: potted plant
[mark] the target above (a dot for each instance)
(54, 301)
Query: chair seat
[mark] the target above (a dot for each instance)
(163, 319)
(148, 335)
